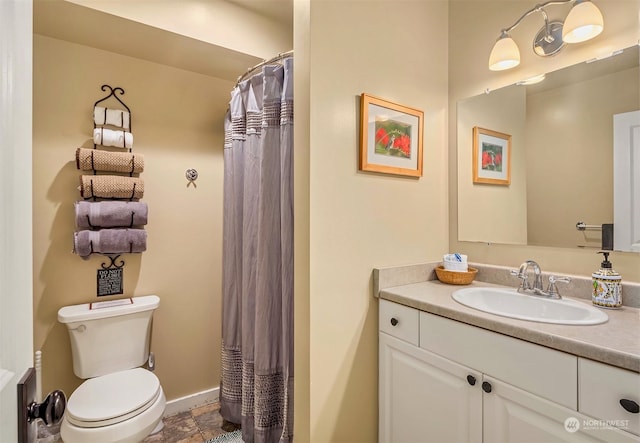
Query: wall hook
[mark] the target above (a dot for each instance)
(192, 176)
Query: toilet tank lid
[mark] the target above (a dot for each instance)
(83, 312)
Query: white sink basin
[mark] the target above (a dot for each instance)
(510, 303)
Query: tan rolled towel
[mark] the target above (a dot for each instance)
(111, 186)
(108, 161)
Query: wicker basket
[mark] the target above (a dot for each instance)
(456, 277)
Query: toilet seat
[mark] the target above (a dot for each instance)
(113, 398)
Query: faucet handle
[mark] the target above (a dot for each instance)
(522, 276)
(552, 290)
(554, 278)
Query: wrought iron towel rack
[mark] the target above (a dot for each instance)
(113, 92)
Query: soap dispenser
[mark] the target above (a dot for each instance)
(607, 285)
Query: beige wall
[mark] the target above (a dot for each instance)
(474, 26)
(177, 124)
(301, 217)
(487, 211)
(580, 117)
(358, 221)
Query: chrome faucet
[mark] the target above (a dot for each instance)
(535, 288)
(523, 274)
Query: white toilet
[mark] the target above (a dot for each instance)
(119, 401)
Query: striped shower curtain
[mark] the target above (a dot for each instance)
(257, 316)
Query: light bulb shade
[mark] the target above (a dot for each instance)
(504, 55)
(583, 23)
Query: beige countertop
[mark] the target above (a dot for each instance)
(616, 342)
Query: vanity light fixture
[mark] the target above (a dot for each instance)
(583, 23)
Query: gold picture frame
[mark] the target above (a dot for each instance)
(390, 137)
(491, 157)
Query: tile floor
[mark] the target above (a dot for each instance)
(195, 426)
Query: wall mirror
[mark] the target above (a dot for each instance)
(561, 157)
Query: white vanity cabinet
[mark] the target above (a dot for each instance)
(424, 397)
(512, 415)
(610, 393)
(445, 381)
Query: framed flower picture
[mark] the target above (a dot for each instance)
(390, 137)
(491, 157)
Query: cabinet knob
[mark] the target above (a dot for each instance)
(486, 386)
(630, 406)
(471, 379)
(394, 321)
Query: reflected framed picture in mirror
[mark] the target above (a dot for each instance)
(390, 137)
(491, 157)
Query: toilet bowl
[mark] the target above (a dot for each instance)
(119, 402)
(121, 407)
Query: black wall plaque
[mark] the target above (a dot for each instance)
(109, 281)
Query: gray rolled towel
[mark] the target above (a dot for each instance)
(109, 241)
(110, 214)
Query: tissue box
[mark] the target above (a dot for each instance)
(450, 263)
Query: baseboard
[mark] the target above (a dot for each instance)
(183, 404)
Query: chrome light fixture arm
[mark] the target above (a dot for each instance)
(537, 8)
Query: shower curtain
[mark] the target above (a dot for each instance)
(256, 389)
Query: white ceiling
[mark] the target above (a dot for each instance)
(86, 26)
(278, 10)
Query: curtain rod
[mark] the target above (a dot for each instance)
(278, 57)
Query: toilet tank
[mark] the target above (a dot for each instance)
(109, 336)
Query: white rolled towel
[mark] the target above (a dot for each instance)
(113, 117)
(110, 137)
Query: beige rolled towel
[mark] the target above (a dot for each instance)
(108, 161)
(111, 186)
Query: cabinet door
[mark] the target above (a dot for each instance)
(603, 387)
(513, 415)
(426, 398)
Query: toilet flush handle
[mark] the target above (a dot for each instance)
(151, 363)
(50, 411)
